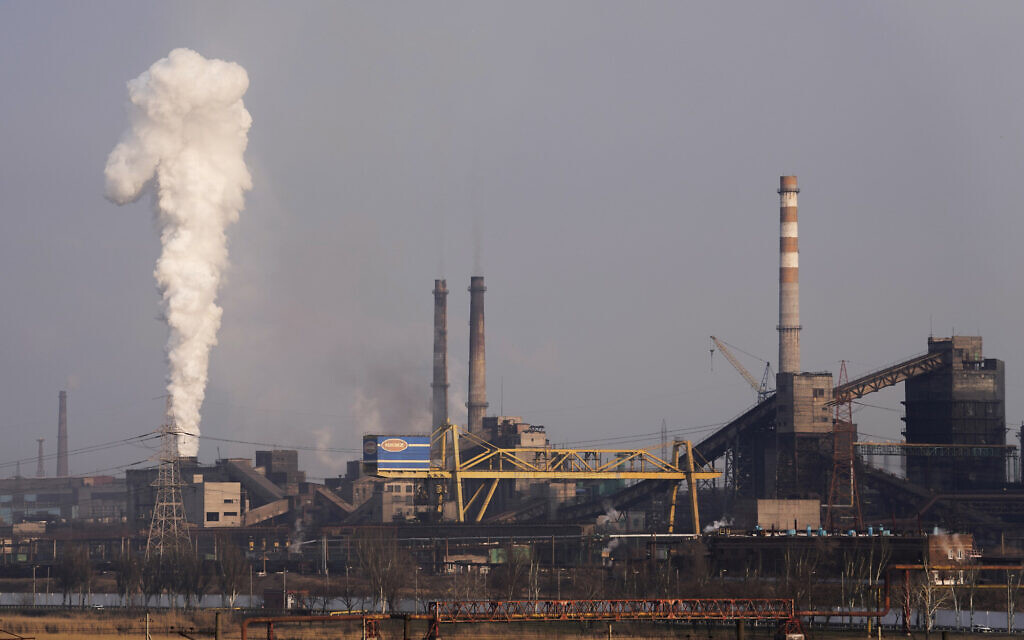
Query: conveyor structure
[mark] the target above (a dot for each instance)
(466, 456)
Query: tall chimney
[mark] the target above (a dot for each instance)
(789, 278)
(40, 470)
(477, 404)
(62, 436)
(440, 384)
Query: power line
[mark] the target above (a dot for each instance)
(88, 449)
(274, 445)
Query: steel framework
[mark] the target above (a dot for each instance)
(888, 377)
(843, 493)
(936, 450)
(168, 529)
(465, 456)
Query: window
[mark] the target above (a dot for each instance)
(959, 554)
(229, 501)
(230, 514)
(819, 393)
(408, 488)
(950, 554)
(212, 516)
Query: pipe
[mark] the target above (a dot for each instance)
(477, 404)
(345, 617)
(789, 277)
(440, 383)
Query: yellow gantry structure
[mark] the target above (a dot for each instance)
(465, 456)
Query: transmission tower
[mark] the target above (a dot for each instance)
(843, 492)
(168, 530)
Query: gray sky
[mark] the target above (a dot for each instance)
(615, 163)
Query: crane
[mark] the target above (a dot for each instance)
(762, 387)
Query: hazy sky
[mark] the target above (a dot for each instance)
(614, 164)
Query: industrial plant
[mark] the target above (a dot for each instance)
(789, 474)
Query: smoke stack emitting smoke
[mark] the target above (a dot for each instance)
(189, 129)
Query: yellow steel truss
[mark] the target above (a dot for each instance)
(489, 462)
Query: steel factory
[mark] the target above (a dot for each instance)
(789, 473)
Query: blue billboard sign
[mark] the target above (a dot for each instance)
(397, 453)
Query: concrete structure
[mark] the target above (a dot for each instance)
(62, 435)
(963, 403)
(477, 405)
(213, 504)
(439, 413)
(801, 403)
(797, 464)
(789, 278)
(779, 514)
(281, 466)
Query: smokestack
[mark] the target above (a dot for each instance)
(40, 471)
(440, 384)
(789, 278)
(477, 404)
(62, 436)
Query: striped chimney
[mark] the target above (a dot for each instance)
(789, 278)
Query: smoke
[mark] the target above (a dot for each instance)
(718, 524)
(296, 543)
(609, 522)
(478, 269)
(391, 399)
(610, 518)
(323, 439)
(188, 130)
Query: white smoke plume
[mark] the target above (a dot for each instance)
(189, 130)
(718, 524)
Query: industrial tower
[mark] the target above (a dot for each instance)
(168, 529)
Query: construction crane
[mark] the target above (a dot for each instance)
(760, 388)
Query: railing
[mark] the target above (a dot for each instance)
(613, 610)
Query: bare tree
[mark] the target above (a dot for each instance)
(512, 576)
(234, 567)
(191, 576)
(1013, 581)
(129, 576)
(971, 578)
(802, 572)
(152, 578)
(73, 571)
(384, 564)
(929, 596)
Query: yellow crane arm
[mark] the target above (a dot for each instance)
(751, 380)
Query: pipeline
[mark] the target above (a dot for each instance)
(372, 618)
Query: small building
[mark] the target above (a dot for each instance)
(213, 504)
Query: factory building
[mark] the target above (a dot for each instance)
(94, 498)
(803, 436)
(212, 504)
(963, 403)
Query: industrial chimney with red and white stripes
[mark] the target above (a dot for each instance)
(789, 278)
